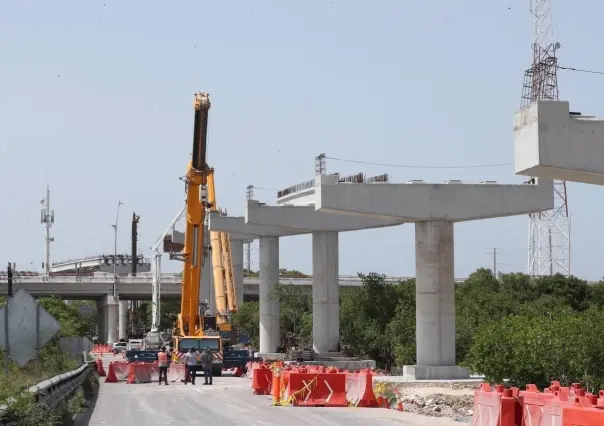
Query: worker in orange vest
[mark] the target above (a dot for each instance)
(162, 358)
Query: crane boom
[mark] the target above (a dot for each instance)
(189, 322)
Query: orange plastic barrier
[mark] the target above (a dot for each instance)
(577, 416)
(99, 367)
(118, 371)
(359, 390)
(139, 373)
(176, 372)
(494, 408)
(316, 390)
(262, 379)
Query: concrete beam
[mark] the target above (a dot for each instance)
(308, 219)
(418, 201)
(551, 143)
(237, 225)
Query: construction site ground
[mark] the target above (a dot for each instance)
(443, 399)
(228, 402)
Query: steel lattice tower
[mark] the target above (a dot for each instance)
(549, 231)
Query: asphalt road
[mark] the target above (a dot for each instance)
(228, 402)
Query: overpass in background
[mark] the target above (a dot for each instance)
(95, 286)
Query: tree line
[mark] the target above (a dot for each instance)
(508, 327)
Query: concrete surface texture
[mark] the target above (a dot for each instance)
(550, 142)
(228, 402)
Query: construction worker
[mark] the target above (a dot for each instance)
(191, 361)
(162, 358)
(206, 360)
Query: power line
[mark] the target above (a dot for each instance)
(587, 71)
(409, 166)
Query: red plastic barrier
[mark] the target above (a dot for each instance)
(176, 373)
(359, 390)
(494, 408)
(546, 408)
(139, 373)
(118, 371)
(262, 379)
(317, 390)
(99, 367)
(578, 416)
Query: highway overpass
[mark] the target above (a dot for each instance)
(137, 287)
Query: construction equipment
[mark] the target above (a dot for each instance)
(189, 330)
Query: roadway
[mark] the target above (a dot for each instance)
(228, 402)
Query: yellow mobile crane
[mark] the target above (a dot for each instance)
(201, 196)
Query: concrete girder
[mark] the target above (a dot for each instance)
(550, 142)
(306, 218)
(414, 202)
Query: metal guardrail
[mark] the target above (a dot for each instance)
(54, 390)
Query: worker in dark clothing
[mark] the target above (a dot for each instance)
(206, 360)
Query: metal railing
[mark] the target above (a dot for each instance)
(51, 392)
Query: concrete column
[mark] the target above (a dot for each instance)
(269, 308)
(123, 319)
(325, 292)
(109, 314)
(435, 287)
(237, 256)
(100, 321)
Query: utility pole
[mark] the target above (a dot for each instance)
(248, 246)
(47, 218)
(9, 273)
(494, 261)
(320, 165)
(134, 305)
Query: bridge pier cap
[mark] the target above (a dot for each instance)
(307, 219)
(552, 142)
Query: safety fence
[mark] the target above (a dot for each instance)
(316, 386)
(51, 392)
(101, 349)
(555, 406)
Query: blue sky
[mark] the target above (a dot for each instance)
(96, 98)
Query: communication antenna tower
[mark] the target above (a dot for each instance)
(549, 231)
(47, 218)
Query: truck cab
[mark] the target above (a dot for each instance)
(212, 343)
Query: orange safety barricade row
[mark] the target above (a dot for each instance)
(118, 371)
(316, 390)
(556, 405)
(101, 349)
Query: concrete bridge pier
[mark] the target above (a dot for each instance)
(269, 307)
(108, 313)
(434, 208)
(123, 319)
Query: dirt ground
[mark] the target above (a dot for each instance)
(452, 400)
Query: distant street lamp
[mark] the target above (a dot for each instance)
(117, 216)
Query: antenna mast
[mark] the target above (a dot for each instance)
(47, 218)
(248, 246)
(549, 231)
